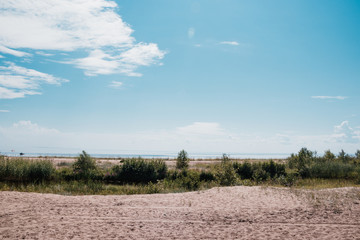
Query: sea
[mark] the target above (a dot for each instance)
(164, 155)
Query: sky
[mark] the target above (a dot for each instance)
(159, 76)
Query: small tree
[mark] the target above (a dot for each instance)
(329, 156)
(357, 154)
(84, 163)
(225, 173)
(301, 161)
(225, 159)
(182, 160)
(344, 157)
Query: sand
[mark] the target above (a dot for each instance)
(219, 213)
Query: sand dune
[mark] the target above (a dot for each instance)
(219, 213)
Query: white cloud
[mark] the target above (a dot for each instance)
(116, 84)
(62, 25)
(206, 137)
(44, 54)
(99, 62)
(68, 25)
(4, 111)
(345, 133)
(283, 139)
(191, 32)
(29, 127)
(17, 82)
(11, 94)
(201, 128)
(141, 54)
(234, 43)
(330, 97)
(16, 53)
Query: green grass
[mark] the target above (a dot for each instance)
(20, 170)
(98, 188)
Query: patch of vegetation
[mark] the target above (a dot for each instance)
(182, 160)
(20, 170)
(329, 166)
(136, 175)
(137, 170)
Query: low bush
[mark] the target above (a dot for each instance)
(244, 170)
(259, 171)
(138, 171)
(225, 174)
(207, 176)
(331, 169)
(184, 179)
(22, 170)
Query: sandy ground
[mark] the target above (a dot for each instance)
(219, 213)
(169, 163)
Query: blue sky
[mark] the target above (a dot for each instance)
(154, 76)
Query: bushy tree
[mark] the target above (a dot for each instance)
(182, 160)
(344, 157)
(301, 161)
(84, 166)
(357, 154)
(225, 159)
(329, 156)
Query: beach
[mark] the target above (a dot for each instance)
(219, 213)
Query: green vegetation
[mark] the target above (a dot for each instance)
(137, 171)
(141, 176)
(307, 165)
(182, 160)
(20, 170)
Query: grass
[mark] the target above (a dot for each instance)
(97, 188)
(20, 170)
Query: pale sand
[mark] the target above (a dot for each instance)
(219, 213)
(169, 163)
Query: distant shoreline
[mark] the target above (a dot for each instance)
(165, 156)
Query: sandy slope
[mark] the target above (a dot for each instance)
(219, 213)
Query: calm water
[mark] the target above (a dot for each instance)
(163, 155)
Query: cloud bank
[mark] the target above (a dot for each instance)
(209, 137)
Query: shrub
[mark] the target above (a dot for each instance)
(225, 174)
(301, 161)
(188, 179)
(329, 156)
(85, 168)
(182, 160)
(357, 154)
(260, 175)
(259, 171)
(344, 157)
(274, 169)
(245, 170)
(139, 171)
(289, 180)
(207, 176)
(331, 169)
(84, 163)
(25, 170)
(225, 159)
